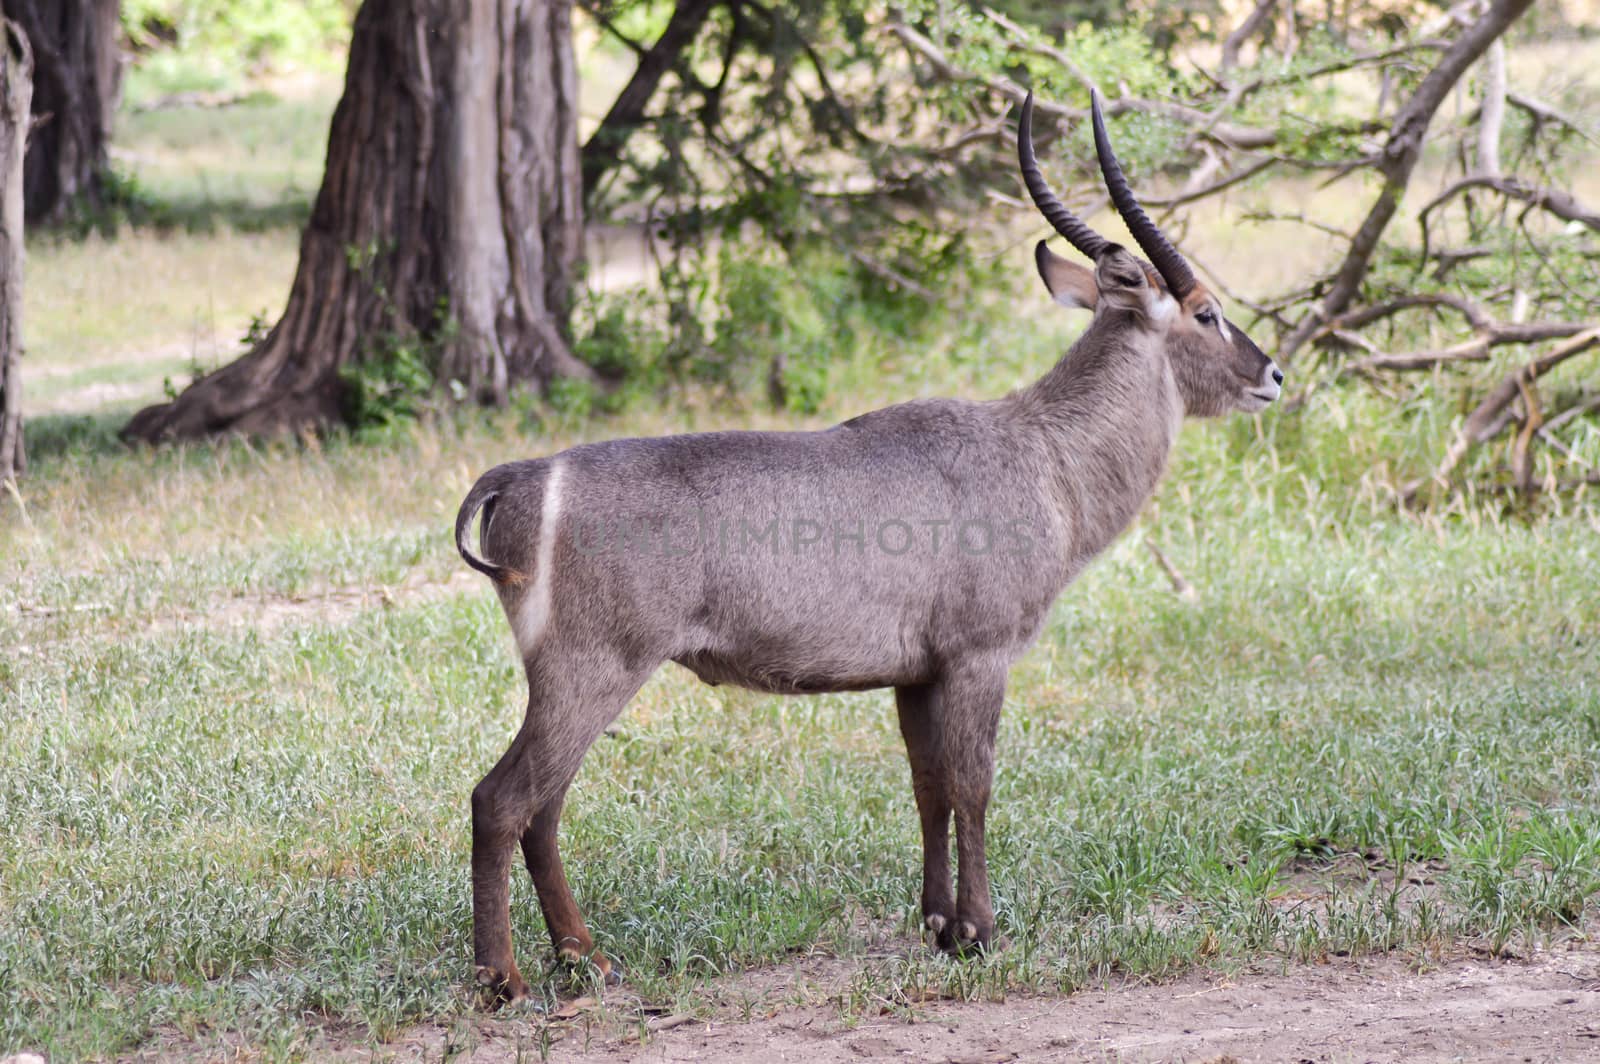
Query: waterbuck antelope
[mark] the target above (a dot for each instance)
(917, 547)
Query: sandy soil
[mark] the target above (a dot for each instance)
(1545, 1009)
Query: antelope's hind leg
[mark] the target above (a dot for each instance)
(520, 800)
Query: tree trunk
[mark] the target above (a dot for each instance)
(448, 223)
(16, 87)
(77, 75)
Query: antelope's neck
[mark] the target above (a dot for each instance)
(1104, 419)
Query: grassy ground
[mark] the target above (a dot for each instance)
(245, 704)
(218, 826)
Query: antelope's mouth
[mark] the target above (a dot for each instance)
(1258, 399)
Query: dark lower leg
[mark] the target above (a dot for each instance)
(562, 917)
(973, 699)
(918, 724)
(974, 911)
(494, 835)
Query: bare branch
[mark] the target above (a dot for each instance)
(1554, 200)
(1033, 44)
(1228, 133)
(1448, 259)
(1339, 66)
(890, 274)
(1493, 114)
(603, 150)
(1360, 319)
(1490, 334)
(1576, 410)
(1399, 159)
(1543, 112)
(1212, 189)
(1246, 30)
(1474, 350)
(1297, 217)
(1231, 134)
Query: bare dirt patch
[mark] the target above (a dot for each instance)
(1544, 1009)
(327, 605)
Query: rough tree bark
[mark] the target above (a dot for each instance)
(449, 217)
(16, 88)
(77, 75)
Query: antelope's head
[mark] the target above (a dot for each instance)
(1217, 367)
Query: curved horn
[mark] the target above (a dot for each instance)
(1066, 223)
(1180, 279)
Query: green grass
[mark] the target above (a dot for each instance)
(255, 163)
(208, 244)
(223, 830)
(225, 827)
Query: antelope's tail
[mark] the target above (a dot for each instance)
(482, 497)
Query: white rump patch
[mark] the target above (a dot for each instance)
(533, 613)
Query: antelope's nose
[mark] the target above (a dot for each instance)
(1277, 375)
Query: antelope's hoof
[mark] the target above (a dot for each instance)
(943, 934)
(610, 972)
(971, 937)
(501, 988)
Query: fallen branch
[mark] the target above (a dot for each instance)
(174, 101)
(1487, 413)
(1487, 487)
(1590, 405)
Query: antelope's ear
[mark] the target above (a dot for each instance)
(1070, 285)
(1122, 282)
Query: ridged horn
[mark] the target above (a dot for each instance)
(1065, 222)
(1163, 256)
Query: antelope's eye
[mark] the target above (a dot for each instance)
(1206, 317)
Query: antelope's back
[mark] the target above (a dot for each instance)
(856, 557)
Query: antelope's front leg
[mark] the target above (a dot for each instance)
(973, 698)
(568, 933)
(918, 707)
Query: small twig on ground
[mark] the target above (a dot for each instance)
(1180, 584)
